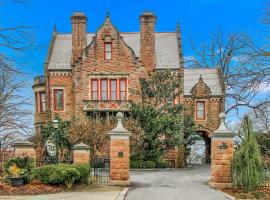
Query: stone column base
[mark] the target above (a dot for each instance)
(120, 183)
(220, 185)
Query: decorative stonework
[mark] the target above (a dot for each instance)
(119, 154)
(201, 89)
(97, 105)
(222, 147)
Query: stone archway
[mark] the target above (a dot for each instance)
(207, 142)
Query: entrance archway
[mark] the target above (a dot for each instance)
(200, 152)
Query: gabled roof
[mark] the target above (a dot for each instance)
(210, 77)
(167, 55)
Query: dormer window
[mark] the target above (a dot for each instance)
(108, 50)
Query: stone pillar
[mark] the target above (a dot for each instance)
(119, 154)
(81, 153)
(222, 147)
(24, 148)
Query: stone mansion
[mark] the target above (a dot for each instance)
(87, 72)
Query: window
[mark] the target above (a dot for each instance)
(58, 100)
(42, 99)
(104, 89)
(94, 89)
(200, 110)
(123, 89)
(36, 99)
(108, 51)
(113, 89)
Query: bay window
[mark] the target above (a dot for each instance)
(42, 99)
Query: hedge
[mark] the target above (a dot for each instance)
(62, 174)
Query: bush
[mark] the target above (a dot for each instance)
(247, 165)
(20, 167)
(58, 175)
(161, 164)
(149, 164)
(134, 164)
(21, 162)
(84, 170)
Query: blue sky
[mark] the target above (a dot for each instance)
(199, 20)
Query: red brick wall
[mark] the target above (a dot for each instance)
(93, 64)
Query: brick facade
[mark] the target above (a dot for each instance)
(87, 62)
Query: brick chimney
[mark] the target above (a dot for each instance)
(147, 44)
(79, 34)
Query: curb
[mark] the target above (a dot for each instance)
(122, 194)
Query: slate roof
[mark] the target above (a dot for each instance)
(210, 77)
(166, 49)
(166, 55)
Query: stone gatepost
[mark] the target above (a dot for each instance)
(24, 148)
(119, 154)
(222, 147)
(81, 153)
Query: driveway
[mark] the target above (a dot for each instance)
(184, 184)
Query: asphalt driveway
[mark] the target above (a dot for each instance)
(184, 184)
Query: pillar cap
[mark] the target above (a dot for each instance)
(222, 130)
(24, 143)
(81, 146)
(119, 130)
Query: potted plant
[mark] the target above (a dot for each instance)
(16, 175)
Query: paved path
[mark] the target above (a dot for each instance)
(90, 193)
(184, 184)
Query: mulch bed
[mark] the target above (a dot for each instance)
(29, 189)
(262, 193)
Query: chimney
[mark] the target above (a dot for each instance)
(147, 43)
(79, 34)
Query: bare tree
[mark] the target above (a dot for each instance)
(14, 104)
(244, 69)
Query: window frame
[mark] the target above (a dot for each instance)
(105, 51)
(101, 91)
(54, 99)
(92, 80)
(116, 89)
(204, 110)
(41, 103)
(120, 89)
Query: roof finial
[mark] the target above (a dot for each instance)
(54, 28)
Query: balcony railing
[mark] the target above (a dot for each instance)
(106, 105)
(39, 80)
